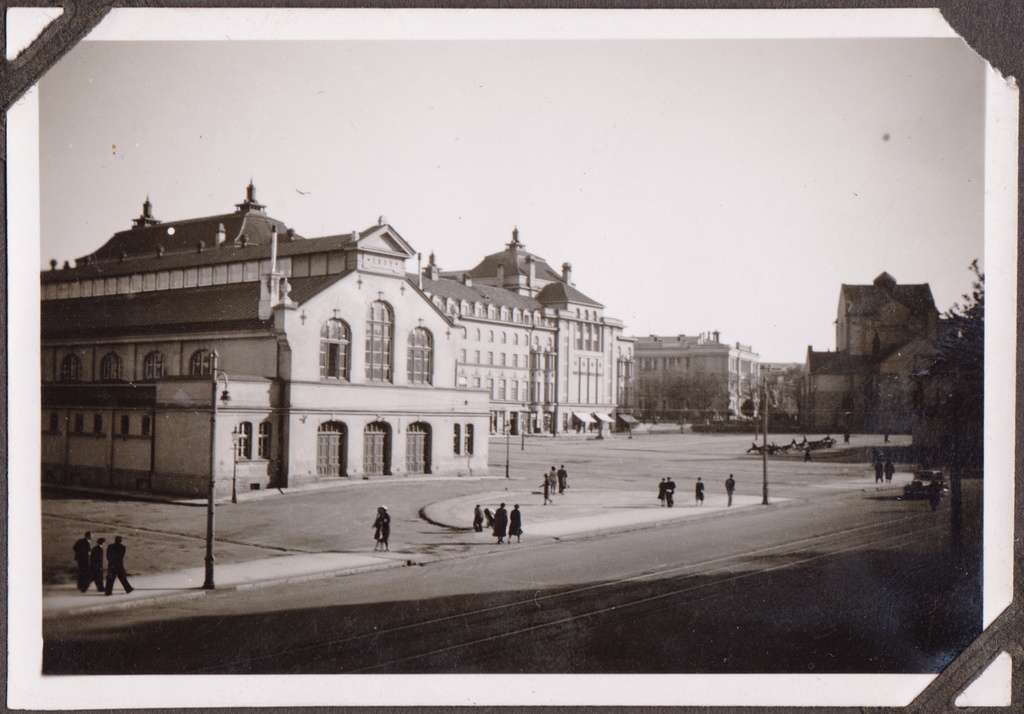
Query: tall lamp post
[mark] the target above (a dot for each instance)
(508, 432)
(522, 427)
(764, 445)
(235, 436)
(224, 397)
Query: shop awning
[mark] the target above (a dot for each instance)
(583, 417)
(627, 419)
(604, 417)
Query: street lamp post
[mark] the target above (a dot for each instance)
(508, 432)
(208, 583)
(235, 436)
(764, 447)
(522, 428)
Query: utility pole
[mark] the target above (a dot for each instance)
(764, 446)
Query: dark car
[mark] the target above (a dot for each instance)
(923, 484)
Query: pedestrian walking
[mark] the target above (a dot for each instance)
(96, 564)
(699, 492)
(489, 517)
(807, 454)
(515, 524)
(661, 491)
(382, 529)
(563, 479)
(889, 470)
(81, 549)
(670, 492)
(115, 566)
(730, 487)
(879, 468)
(552, 480)
(478, 519)
(846, 437)
(935, 494)
(500, 523)
(547, 489)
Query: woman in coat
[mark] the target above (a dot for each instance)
(515, 524)
(382, 529)
(500, 523)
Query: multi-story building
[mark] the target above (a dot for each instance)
(885, 333)
(231, 349)
(549, 357)
(714, 378)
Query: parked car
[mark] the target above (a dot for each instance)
(923, 484)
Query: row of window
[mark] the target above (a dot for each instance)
(589, 337)
(78, 424)
(242, 438)
(202, 363)
(491, 312)
(336, 352)
(463, 440)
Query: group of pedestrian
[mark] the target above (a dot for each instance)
(500, 522)
(884, 469)
(667, 492)
(89, 559)
(554, 481)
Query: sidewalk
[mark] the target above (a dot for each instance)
(577, 513)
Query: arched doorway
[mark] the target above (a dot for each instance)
(417, 448)
(331, 451)
(377, 449)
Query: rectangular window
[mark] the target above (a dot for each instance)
(502, 359)
(235, 273)
(147, 426)
(125, 425)
(79, 422)
(476, 382)
(490, 358)
(163, 280)
(250, 271)
(122, 285)
(178, 279)
(515, 390)
(490, 388)
(515, 360)
(476, 356)
(462, 356)
(135, 284)
(501, 389)
(191, 277)
(97, 423)
(243, 440)
(264, 441)
(149, 282)
(457, 442)
(469, 439)
(206, 276)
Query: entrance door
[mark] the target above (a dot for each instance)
(330, 450)
(417, 449)
(376, 449)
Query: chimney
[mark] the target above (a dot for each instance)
(466, 280)
(715, 333)
(273, 250)
(53, 264)
(419, 270)
(567, 273)
(221, 233)
(432, 268)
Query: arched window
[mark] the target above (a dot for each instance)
(70, 369)
(379, 329)
(110, 368)
(153, 366)
(421, 356)
(335, 342)
(203, 363)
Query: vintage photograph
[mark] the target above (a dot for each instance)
(629, 351)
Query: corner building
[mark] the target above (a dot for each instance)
(229, 346)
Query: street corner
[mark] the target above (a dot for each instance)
(458, 512)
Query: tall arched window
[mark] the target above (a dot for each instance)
(421, 356)
(153, 366)
(335, 343)
(110, 368)
(379, 329)
(70, 369)
(203, 363)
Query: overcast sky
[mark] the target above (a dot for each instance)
(694, 185)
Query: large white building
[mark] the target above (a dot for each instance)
(229, 345)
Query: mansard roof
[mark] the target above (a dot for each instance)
(559, 293)
(486, 294)
(867, 300)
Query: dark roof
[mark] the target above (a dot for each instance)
(866, 300)
(222, 307)
(487, 294)
(513, 263)
(835, 362)
(559, 293)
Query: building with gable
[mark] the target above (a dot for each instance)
(885, 333)
(549, 357)
(230, 348)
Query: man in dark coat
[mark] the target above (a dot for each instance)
(547, 489)
(698, 492)
(96, 564)
(115, 566)
(661, 491)
(730, 487)
(563, 479)
(515, 524)
(670, 492)
(500, 523)
(889, 470)
(878, 469)
(478, 519)
(81, 548)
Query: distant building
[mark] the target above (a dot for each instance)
(728, 376)
(885, 333)
(785, 382)
(548, 356)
